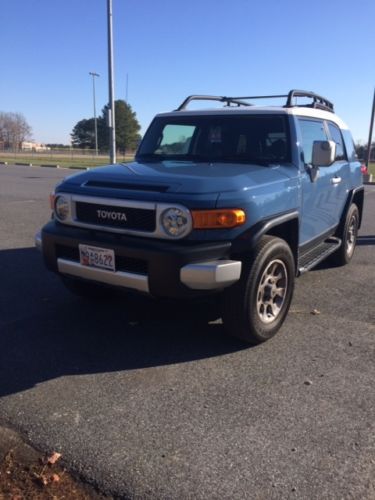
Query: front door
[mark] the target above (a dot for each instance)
(322, 199)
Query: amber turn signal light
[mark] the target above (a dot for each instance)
(218, 219)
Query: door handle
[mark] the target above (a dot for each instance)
(336, 180)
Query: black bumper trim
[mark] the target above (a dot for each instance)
(164, 259)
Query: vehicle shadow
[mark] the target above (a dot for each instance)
(366, 240)
(46, 332)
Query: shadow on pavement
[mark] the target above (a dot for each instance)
(46, 332)
(366, 240)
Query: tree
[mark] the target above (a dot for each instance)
(127, 129)
(14, 129)
(361, 150)
(83, 134)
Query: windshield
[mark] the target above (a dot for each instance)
(260, 139)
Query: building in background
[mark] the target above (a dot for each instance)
(34, 146)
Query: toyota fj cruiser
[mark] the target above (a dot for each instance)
(236, 200)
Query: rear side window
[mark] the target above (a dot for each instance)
(311, 130)
(337, 138)
(349, 145)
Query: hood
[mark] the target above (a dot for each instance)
(177, 177)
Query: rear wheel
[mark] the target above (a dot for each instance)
(348, 236)
(255, 308)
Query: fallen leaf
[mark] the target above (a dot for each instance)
(54, 458)
(55, 478)
(315, 312)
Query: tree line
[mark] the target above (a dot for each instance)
(14, 129)
(127, 129)
(361, 151)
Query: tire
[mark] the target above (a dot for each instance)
(348, 236)
(87, 289)
(256, 306)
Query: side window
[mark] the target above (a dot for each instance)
(175, 139)
(337, 138)
(311, 130)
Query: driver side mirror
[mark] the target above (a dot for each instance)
(323, 153)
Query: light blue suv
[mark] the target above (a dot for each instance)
(235, 201)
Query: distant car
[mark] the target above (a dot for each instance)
(236, 201)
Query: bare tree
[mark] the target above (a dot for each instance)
(14, 129)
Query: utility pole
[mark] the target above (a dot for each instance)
(111, 109)
(93, 74)
(370, 133)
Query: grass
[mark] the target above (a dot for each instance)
(65, 161)
(371, 168)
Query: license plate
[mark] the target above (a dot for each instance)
(103, 258)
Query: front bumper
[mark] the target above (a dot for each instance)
(161, 268)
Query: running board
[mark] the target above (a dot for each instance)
(311, 258)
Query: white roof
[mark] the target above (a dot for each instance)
(246, 110)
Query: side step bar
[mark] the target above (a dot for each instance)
(311, 258)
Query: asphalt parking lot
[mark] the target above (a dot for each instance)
(152, 400)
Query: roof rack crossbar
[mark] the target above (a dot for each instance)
(318, 101)
(227, 100)
(262, 96)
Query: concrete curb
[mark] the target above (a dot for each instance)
(47, 165)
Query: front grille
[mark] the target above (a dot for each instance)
(125, 264)
(139, 219)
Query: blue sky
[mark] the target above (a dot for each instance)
(171, 48)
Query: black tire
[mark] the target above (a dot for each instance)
(87, 289)
(348, 236)
(255, 307)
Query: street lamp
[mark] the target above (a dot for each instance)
(96, 125)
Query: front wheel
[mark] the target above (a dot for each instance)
(255, 308)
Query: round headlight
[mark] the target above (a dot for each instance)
(175, 222)
(61, 207)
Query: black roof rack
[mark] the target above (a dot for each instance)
(318, 101)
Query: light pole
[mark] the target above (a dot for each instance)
(95, 121)
(370, 132)
(111, 110)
